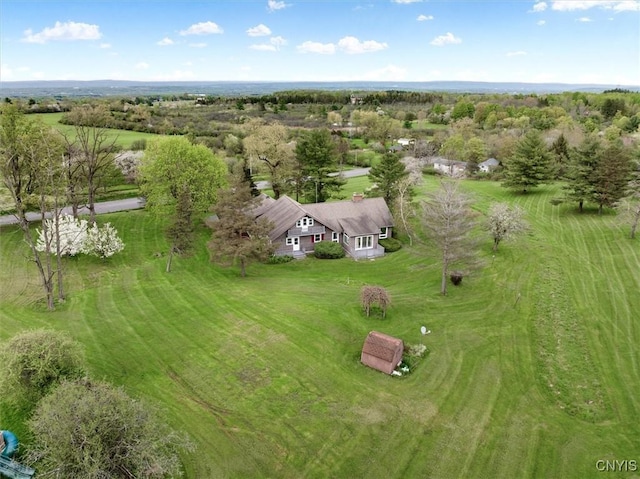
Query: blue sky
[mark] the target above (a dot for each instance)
(568, 41)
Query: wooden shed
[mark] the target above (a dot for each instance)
(382, 352)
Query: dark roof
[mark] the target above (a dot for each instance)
(283, 213)
(366, 216)
(355, 218)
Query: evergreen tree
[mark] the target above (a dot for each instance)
(386, 175)
(238, 238)
(583, 162)
(611, 175)
(560, 151)
(316, 154)
(530, 165)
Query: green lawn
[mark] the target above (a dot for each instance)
(533, 369)
(124, 138)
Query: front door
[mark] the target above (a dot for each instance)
(295, 240)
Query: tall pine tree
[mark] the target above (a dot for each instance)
(386, 175)
(530, 165)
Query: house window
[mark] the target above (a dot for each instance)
(334, 237)
(304, 222)
(364, 242)
(345, 238)
(289, 241)
(383, 232)
(317, 238)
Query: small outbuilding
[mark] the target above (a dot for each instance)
(382, 352)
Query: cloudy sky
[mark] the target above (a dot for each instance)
(569, 41)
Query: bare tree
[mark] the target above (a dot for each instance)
(372, 295)
(505, 222)
(449, 222)
(28, 154)
(94, 146)
(403, 205)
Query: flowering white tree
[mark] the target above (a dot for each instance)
(75, 236)
(504, 222)
(103, 242)
(72, 234)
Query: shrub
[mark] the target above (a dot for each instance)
(390, 244)
(33, 362)
(328, 250)
(274, 259)
(456, 278)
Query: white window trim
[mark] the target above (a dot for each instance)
(345, 238)
(385, 234)
(304, 221)
(335, 237)
(317, 237)
(364, 239)
(289, 241)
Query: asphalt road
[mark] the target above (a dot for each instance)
(102, 207)
(138, 203)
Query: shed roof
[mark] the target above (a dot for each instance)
(382, 352)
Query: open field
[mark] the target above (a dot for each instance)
(533, 369)
(124, 138)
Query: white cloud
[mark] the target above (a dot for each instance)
(142, 66)
(277, 41)
(165, 41)
(352, 45)
(202, 28)
(446, 39)
(539, 7)
(259, 31)
(627, 5)
(274, 45)
(518, 53)
(584, 20)
(541, 22)
(405, 2)
(317, 47)
(64, 31)
(263, 47)
(617, 5)
(105, 45)
(423, 18)
(273, 5)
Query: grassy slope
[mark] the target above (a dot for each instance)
(532, 370)
(124, 138)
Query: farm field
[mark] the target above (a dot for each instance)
(124, 138)
(533, 365)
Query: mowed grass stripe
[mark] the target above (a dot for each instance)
(263, 372)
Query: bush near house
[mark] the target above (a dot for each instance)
(390, 244)
(328, 250)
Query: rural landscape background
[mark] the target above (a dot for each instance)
(532, 365)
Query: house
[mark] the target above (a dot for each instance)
(382, 352)
(405, 141)
(450, 167)
(357, 224)
(489, 165)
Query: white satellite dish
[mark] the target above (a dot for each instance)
(423, 330)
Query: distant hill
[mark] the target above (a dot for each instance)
(103, 88)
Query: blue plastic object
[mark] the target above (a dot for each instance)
(10, 444)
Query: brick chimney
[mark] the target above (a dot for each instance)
(357, 197)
